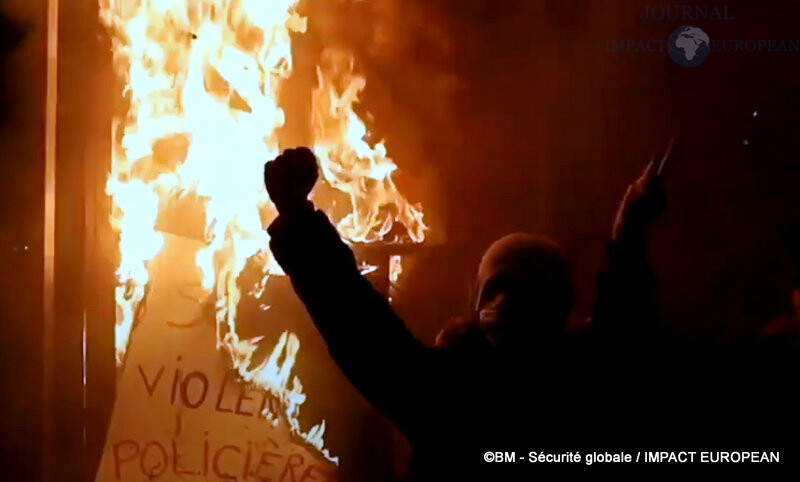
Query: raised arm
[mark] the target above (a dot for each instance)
(626, 304)
(365, 337)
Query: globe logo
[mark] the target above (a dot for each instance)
(688, 46)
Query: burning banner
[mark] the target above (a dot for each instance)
(200, 114)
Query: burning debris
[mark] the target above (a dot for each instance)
(200, 115)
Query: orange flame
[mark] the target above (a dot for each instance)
(395, 269)
(202, 81)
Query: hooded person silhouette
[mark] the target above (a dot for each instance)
(510, 380)
(524, 290)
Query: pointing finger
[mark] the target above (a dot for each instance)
(669, 157)
(649, 171)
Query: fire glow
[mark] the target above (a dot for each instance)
(201, 101)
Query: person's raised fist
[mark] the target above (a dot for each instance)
(290, 178)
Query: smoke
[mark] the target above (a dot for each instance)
(406, 48)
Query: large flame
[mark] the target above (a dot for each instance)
(202, 115)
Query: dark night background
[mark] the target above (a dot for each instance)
(504, 115)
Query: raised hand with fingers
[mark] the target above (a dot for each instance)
(644, 201)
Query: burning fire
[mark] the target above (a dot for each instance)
(202, 114)
(395, 269)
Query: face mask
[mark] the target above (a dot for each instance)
(489, 317)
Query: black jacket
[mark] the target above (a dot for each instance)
(618, 386)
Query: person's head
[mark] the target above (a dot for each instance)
(524, 290)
